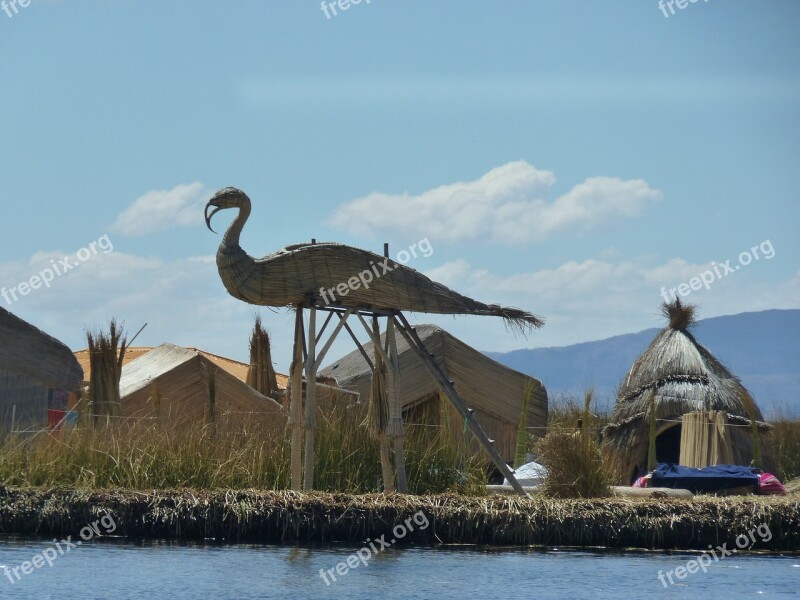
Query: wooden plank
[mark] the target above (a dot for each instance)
(410, 335)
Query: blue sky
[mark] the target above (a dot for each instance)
(567, 157)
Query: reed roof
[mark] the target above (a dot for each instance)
(483, 383)
(28, 351)
(181, 376)
(234, 367)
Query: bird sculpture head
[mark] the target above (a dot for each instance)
(229, 197)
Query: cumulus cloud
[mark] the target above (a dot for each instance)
(507, 205)
(182, 206)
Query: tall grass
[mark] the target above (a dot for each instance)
(575, 467)
(784, 443)
(230, 453)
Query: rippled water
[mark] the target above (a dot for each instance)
(110, 569)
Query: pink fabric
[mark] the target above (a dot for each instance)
(769, 484)
(642, 482)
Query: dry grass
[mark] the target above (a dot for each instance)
(573, 460)
(230, 453)
(784, 444)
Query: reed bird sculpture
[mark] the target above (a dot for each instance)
(330, 274)
(347, 281)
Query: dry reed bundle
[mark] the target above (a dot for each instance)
(106, 356)
(261, 374)
(292, 517)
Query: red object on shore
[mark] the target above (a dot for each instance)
(55, 419)
(769, 484)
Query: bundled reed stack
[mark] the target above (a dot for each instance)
(676, 376)
(261, 374)
(106, 356)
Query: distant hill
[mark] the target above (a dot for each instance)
(761, 348)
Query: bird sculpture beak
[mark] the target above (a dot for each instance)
(209, 216)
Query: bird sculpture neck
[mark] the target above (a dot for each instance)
(230, 240)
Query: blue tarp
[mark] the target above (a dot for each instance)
(707, 479)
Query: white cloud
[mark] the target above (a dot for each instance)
(595, 299)
(184, 301)
(507, 205)
(182, 206)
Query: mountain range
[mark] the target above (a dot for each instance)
(761, 348)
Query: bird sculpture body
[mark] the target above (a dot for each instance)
(335, 275)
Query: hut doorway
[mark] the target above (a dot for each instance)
(668, 445)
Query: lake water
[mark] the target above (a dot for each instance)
(122, 570)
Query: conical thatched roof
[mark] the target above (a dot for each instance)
(678, 375)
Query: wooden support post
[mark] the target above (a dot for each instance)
(310, 420)
(447, 388)
(296, 401)
(379, 407)
(395, 409)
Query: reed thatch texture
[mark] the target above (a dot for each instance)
(305, 275)
(233, 367)
(182, 377)
(31, 364)
(683, 377)
(494, 391)
(237, 516)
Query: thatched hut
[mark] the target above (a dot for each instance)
(495, 392)
(39, 376)
(673, 377)
(183, 385)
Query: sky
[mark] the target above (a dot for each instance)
(574, 158)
